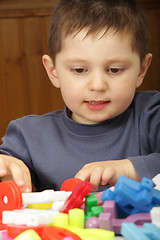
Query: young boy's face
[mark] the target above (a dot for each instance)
(97, 75)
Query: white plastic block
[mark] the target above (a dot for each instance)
(29, 217)
(155, 216)
(47, 196)
(156, 181)
(56, 206)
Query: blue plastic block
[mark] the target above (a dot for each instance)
(132, 196)
(149, 231)
(108, 195)
(147, 184)
(156, 197)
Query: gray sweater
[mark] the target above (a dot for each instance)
(54, 147)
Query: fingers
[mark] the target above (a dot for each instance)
(99, 174)
(92, 173)
(96, 176)
(15, 170)
(21, 176)
(109, 176)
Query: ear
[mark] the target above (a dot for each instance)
(51, 70)
(144, 67)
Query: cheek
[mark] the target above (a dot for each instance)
(124, 92)
(69, 93)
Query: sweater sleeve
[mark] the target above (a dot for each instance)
(14, 144)
(148, 164)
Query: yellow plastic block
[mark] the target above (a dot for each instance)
(76, 218)
(61, 220)
(28, 235)
(40, 206)
(92, 233)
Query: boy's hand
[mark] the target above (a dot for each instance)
(13, 169)
(107, 172)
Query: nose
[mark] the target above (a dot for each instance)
(98, 82)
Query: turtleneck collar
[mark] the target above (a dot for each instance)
(94, 129)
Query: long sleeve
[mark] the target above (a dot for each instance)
(148, 164)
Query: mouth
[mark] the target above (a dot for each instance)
(96, 105)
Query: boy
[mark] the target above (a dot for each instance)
(98, 57)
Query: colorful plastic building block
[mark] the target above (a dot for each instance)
(14, 230)
(107, 222)
(156, 181)
(92, 222)
(76, 198)
(76, 218)
(155, 216)
(57, 233)
(91, 201)
(47, 196)
(61, 220)
(29, 217)
(70, 184)
(40, 206)
(149, 231)
(92, 234)
(4, 236)
(10, 198)
(68, 238)
(132, 196)
(29, 234)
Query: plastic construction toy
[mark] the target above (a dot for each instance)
(70, 184)
(57, 233)
(155, 216)
(76, 198)
(127, 209)
(132, 196)
(109, 221)
(148, 232)
(156, 181)
(10, 198)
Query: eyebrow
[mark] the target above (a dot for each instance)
(75, 60)
(108, 62)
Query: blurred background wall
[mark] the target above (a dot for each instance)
(24, 85)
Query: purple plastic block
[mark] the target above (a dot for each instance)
(92, 222)
(110, 207)
(107, 222)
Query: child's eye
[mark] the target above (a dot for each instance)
(79, 70)
(114, 70)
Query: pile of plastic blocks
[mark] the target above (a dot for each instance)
(130, 209)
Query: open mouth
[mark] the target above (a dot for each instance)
(96, 105)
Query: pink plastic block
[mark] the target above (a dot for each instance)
(68, 238)
(5, 237)
(92, 222)
(98, 196)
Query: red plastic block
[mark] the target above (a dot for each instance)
(10, 198)
(14, 230)
(76, 198)
(58, 233)
(70, 184)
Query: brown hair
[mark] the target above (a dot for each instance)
(71, 16)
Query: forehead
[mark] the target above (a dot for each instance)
(101, 36)
(97, 48)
